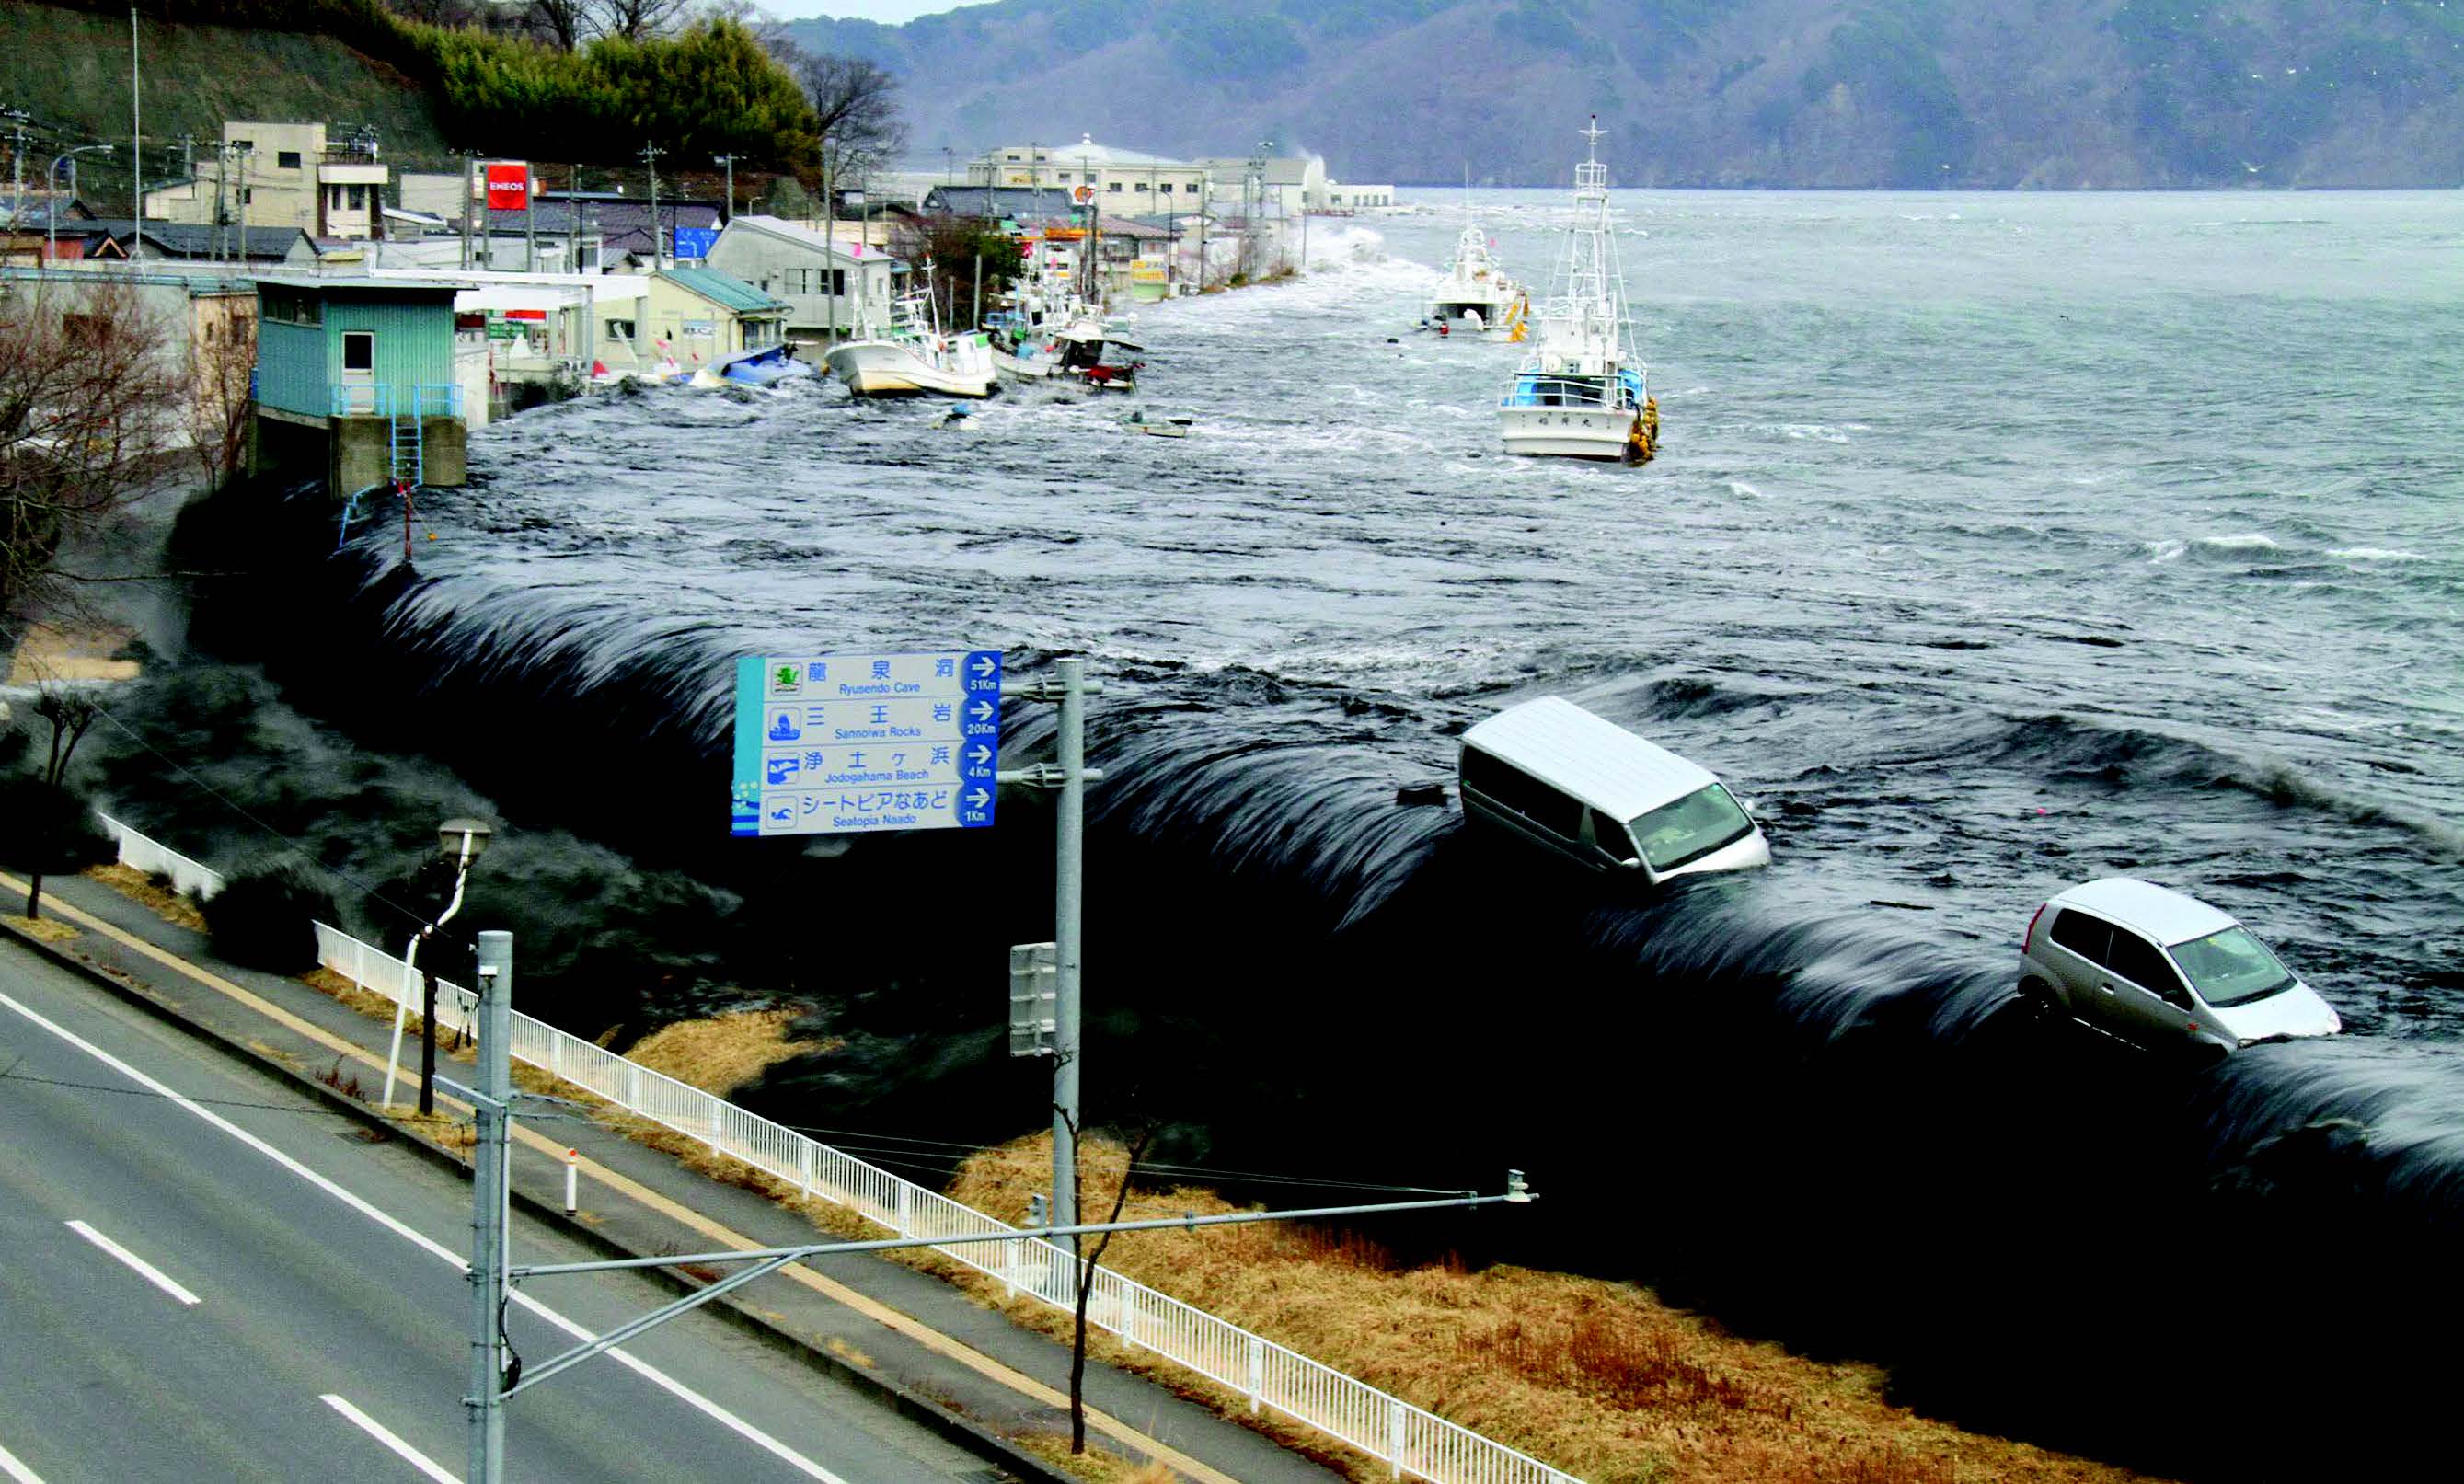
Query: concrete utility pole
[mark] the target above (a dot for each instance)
(468, 164)
(135, 144)
(728, 161)
(650, 154)
(16, 118)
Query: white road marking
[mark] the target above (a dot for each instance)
(9, 1466)
(386, 1435)
(142, 1268)
(648, 1372)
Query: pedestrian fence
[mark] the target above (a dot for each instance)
(188, 877)
(1412, 1441)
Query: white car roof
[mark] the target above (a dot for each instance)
(2161, 912)
(1588, 757)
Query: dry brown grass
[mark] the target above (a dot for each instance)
(1597, 1378)
(138, 886)
(50, 929)
(1095, 1466)
(726, 1052)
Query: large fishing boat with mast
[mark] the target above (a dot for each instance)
(1580, 393)
(1476, 288)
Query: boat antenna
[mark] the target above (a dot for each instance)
(1594, 134)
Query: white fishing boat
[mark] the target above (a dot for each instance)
(1476, 290)
(1580, 393)
(913, 356)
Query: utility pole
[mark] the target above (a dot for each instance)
(829, 236)
(728, 161)
(469, 196)
(188, 158)
(16, 118)
(135, 144)
(650, 154)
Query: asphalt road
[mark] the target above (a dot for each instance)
(207, 1276)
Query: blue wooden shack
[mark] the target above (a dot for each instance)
(355, 382)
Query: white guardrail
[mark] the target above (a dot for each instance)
(1409, 1439)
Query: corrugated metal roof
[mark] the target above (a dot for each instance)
(723, 289)
(1588, 757)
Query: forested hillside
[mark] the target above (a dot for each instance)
(1793, 93)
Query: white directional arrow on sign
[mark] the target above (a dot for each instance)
(981, 710)
(977, 796)
(979, 755)
(983, 666)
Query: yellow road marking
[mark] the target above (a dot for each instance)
(723, 1236)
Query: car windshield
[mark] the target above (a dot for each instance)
(2230, 968)
(1690, 828)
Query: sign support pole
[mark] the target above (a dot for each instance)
(1069, 895)
(492, 1111)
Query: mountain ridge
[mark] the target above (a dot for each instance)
(1805, 94)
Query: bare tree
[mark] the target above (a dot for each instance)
(438, 13)
(219, 405)
(70, 716)
(565, 24)
(636, 20)
(1088, 1259)
(855, 100)
(86, 413)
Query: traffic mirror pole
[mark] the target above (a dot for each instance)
(492, 1108)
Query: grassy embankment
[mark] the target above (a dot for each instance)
(69, 69)
(1596, 1377)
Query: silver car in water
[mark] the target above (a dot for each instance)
(2162, 971)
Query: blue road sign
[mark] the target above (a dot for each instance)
(695, 242)
(845, 744)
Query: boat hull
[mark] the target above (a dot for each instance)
(875, 368)
(1613, 434)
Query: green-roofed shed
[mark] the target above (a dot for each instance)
(355, 377)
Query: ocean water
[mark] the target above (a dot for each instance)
(1997, 543)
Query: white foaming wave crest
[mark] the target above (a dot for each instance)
(2162, 552)
(2374, 554)
(1739, 486)
(2246, 541)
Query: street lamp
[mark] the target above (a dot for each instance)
(52, 187)
(460, 840)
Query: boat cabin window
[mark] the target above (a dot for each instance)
(1691, 828)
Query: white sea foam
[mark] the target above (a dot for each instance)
(1739, 486)
(2375, 554)
(2247, 542)
(2159, 552)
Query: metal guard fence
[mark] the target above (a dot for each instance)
(1407, 1438)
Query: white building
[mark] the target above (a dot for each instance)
(1121, 182)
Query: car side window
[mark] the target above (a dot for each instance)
(1611, 838)
(2085, 935)
(2143, 964)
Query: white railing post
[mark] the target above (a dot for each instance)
(906, 1209)
(1395, 1433)
(805, 1164)
(1257, 1372)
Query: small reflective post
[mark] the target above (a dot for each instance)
(572, 1180)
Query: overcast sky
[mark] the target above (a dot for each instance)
(888, 11)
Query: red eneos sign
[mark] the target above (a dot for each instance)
(509, 186)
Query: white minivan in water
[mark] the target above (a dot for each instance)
(1587, 789)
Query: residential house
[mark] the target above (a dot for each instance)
(830, 287)
(188, 245)
(695, 315)
(27, 235)
(356, 382)
(620, 225)
(207, 324)
(275, 174)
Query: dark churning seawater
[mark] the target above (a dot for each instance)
(1998, 542)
